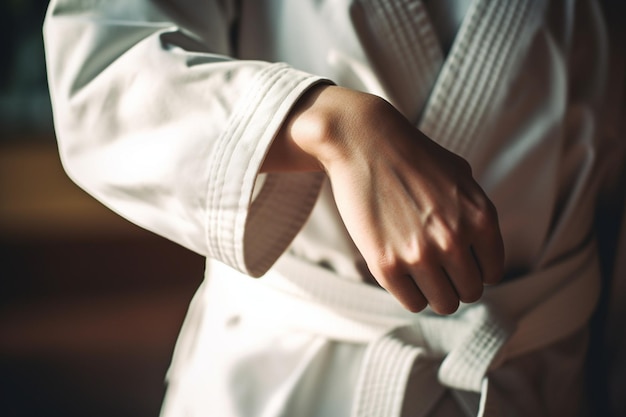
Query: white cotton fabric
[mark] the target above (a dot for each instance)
(165, 110)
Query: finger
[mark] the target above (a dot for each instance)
(465, 274)
(406, 291)
(488, 249)
(437, 289)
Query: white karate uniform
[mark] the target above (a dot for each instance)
(165, 110)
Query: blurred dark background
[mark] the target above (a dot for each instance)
(24, 103)
(90, 305)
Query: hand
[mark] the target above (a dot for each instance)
(426, 229)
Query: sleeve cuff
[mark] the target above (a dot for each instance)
(247, 235)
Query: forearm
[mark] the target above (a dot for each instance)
(293, 148)
(316, 130)
(172, 139)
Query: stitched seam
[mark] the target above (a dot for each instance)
(475, 73)
(275, 200)
(485, 81)
(439, 101)
(253, 171)
(464, 105)
(500, 68)
(233, 129)
(458, 63)
(237, 232)
(402, 31)
(386, 20)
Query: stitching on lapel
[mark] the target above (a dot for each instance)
(400, 33)
(473, 78)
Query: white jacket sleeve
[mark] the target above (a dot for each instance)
(156, 121)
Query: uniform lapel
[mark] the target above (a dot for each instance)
(455, 96)
(403, 47)
(477, 71)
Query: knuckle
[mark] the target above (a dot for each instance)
(389, 264)
(448, 240)
(420, 257)
(449, 245)
(485, 216)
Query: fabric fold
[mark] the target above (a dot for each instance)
(464, 347)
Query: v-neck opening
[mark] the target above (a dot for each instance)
(446, 18)
(471, 80)
(402, 47)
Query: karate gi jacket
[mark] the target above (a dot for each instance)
(165, 110)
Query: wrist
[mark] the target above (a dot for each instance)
(332, 121)
(315, 127)
(325, 127)
(294, 147)
(321, 129)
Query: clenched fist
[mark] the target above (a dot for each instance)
(426, 229)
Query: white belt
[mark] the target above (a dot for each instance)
(466, 345)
